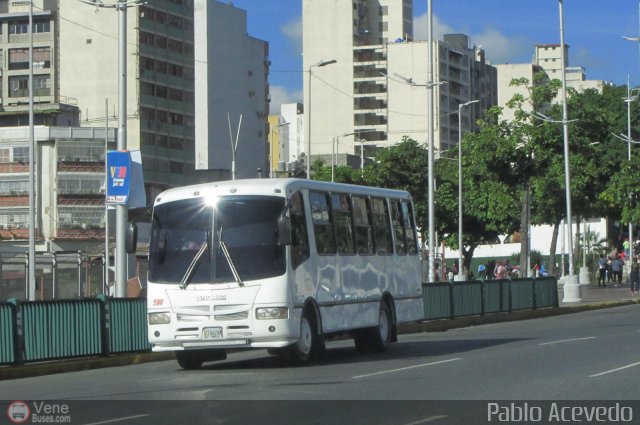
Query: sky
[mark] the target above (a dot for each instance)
(508, 30)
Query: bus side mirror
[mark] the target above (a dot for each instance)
(284, 230)
(132, 238)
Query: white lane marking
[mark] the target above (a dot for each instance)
(126, 418)
(567, 340)
(426, 420)
(615, 370)
(403, 368)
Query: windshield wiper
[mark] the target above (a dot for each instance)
(192, 266)
(232, 266)
(227, 256)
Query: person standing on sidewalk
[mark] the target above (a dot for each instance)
(616, 270)
(634, 276)
(602, 266)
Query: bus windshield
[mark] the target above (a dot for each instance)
(246, 226)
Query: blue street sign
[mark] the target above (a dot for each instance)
(118, 177)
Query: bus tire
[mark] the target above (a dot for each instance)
(193, 359)
(189, 360)
(310, 344)
(382, 334)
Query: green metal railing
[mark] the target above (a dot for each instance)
(128, 319)
(45, 330)
(57, 329)
(7, 333)
(456, 299)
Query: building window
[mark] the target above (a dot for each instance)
(160, 17)
(147, 38)
(41, 85)
(161, 91)
(161, 42)
(19, 86)
(21, 154)
(42, 57)
(175, 94)
(19, 58)
(19, 27)
(5, 155)
(161, 67)
(41, 26)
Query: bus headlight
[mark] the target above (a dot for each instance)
(271, 313)
(159, 318)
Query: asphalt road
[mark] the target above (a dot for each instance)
(587, 358)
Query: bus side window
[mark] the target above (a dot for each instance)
(300, 241)
(381, 228)
(398, 228)
(410, 228)
(343, 224)
(364, 231)
(322, 226)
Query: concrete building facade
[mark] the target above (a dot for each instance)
(363, 98)
(232, 71)
(293, 114)
(160, 80)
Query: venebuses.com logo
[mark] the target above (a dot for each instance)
(20, 412)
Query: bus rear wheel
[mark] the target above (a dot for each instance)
(376, 339)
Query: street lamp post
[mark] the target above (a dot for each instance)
(308, 112)
(334, 148)
(362, 155)
(430, 142)
(630, 98)
(460, 245)
(570, 287)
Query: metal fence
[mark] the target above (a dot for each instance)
(61, 275)
(457, 299)
(45, 330)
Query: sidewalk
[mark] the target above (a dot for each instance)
(594, 294)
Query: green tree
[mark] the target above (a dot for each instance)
(490, 199)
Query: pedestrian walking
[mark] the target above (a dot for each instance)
(602, 268)
(634, 276)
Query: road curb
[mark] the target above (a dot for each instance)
(78, 364)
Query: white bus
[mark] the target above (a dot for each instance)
(281, 264)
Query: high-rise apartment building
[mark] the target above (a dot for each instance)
(364, 97)
(232, 93)
(546, 59)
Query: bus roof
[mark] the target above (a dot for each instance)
(272, 187)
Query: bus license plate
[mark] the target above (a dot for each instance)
(212, 333)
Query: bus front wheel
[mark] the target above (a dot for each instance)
(189, 360)
(193, 359)
(310, 342)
